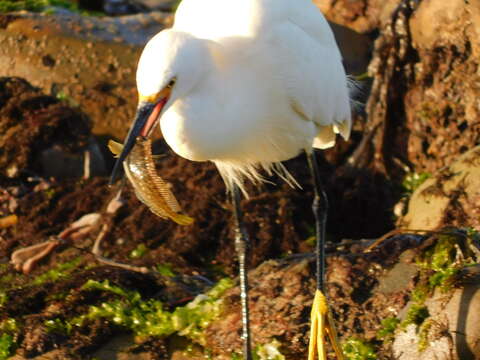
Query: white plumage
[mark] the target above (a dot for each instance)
(255, 85)
(248, 84)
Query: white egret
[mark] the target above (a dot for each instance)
(248, 84)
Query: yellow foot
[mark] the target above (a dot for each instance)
(321, 324)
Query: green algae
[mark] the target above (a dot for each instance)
(423, 332)
(58, 326)
(36, 5)
(150, 317)
(389, 325)
(6, 346)
(60, 271)
(140, 251)
(357, 349)
(268, 351)
(440, 265)
(447, 257)
(3, 298)
(166, 269)
(417, 314)
(47, 7)
(412, 182)
(8, 330)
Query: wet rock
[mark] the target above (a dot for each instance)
(123, 7)
(450, 197)
(89, 61)
(181, 349)
(117, 348)
(161, 5)
(58, 164)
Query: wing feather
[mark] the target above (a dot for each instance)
(300, 43)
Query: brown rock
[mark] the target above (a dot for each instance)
(441, 106)
(422, 111)
(449, 198)
(89, 60)
(362, 16)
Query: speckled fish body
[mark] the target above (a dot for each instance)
(149, 187)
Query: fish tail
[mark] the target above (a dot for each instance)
(115, 148)
(182, 219)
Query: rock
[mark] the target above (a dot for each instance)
(123, 7)
(281, 292)
(116, 348)
(452, 332)
(59, 164)
(405, 347)
(87, 60)
(363, 16)
(181, 349)
(160, 5)
(31, 123)
(51, 355)
(423, 105)
(398, 277)
(443, 101)
(450, 197)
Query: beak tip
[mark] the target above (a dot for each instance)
(115, 172)
(143, 113)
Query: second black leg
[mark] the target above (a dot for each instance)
(320, 210)
(241, 246)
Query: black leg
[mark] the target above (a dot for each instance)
(320, 209)
(241, 246)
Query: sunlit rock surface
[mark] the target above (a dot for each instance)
(88, 60)
(450, 197)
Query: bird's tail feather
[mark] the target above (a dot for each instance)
(236, 174)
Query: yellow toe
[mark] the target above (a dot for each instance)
(321, 324)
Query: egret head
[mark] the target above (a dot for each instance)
(169, 67)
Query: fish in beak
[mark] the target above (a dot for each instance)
(147, 115)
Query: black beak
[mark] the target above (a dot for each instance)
(143, 112)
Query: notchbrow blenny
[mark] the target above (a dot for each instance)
(149, 187)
